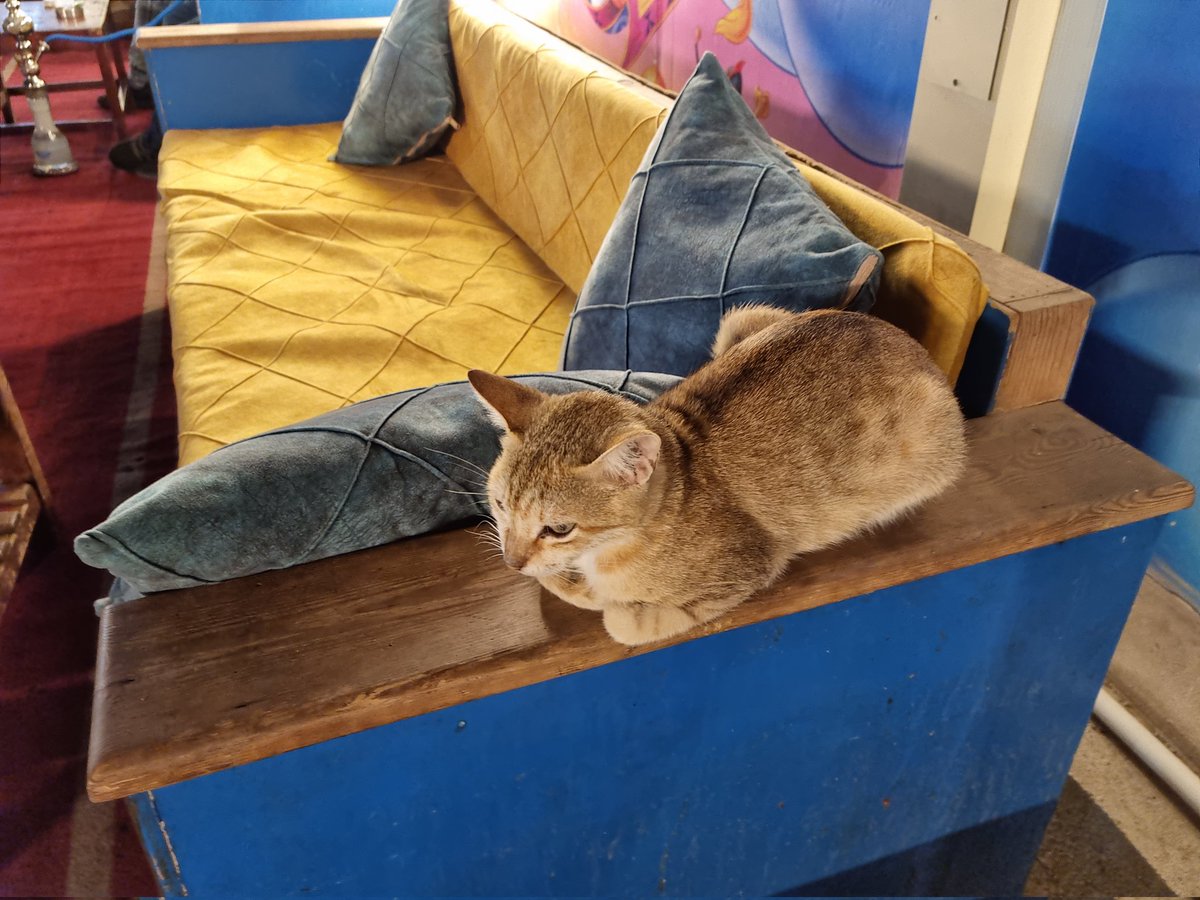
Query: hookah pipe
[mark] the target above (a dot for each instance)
(116, 35)
(51, 151)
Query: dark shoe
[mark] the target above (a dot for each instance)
(135, 98)
(134, 155)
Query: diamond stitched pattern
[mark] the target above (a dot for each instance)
(551, 137)
(298, 286)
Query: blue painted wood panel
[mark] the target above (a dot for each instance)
(987, 355)
(751, 761)
(256, 85)
(159, 853)
(217, 11)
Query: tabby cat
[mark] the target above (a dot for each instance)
(805, 429)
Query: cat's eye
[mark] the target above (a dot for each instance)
(499, 504)
(559, 529)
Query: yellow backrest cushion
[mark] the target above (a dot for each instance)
(551, 137)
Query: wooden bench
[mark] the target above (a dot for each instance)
(23, 491)
(897, 715)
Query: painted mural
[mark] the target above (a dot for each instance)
(834, 79)
(1127, 230)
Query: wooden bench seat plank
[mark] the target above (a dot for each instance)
(191, 682)
(226, 33)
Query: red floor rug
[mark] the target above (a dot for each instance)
(72, 339)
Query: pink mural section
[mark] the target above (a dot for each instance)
(832, 78)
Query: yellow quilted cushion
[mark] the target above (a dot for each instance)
(930, 287)
(298, 285)
(551, 137)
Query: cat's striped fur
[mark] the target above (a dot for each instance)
(804, 430)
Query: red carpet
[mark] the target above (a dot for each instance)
(75, 252)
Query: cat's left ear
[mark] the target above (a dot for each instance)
(509, 403)
(630, 461)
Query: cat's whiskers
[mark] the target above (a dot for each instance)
(489, 536)
(470, 465)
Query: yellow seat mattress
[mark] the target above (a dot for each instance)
(297, 285)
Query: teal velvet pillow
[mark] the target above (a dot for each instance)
(405, 99)
(717, 216)
(380, 470)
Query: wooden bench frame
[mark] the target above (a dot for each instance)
(195, 682)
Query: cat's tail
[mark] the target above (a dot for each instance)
(746, 321)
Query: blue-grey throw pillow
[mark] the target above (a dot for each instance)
(371, 473)
(406, 97)
(717, 216)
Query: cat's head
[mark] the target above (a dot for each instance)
(574, 472)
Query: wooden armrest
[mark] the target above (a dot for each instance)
(191, 682)
(1047, 317)
(260, 32)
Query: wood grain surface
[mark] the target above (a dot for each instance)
(260, 32)
(191, 682)
(1047, 334)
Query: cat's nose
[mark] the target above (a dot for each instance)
(514, 560)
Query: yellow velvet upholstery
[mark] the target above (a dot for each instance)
(930, 287)
(551, 137)
(298, 285)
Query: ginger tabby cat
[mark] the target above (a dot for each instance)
(803, 431)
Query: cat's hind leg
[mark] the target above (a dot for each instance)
(645, 623)
(744, 322)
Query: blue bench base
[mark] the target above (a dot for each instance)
(913, 740)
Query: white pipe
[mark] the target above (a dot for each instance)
(1149, 749)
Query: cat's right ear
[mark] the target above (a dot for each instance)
(630, 460)
(510, 404)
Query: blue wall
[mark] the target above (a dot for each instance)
(1127, 229)
(214, 11)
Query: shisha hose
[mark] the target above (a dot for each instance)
(116, 35)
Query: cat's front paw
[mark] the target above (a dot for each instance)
(644, 624)
(570, 585)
